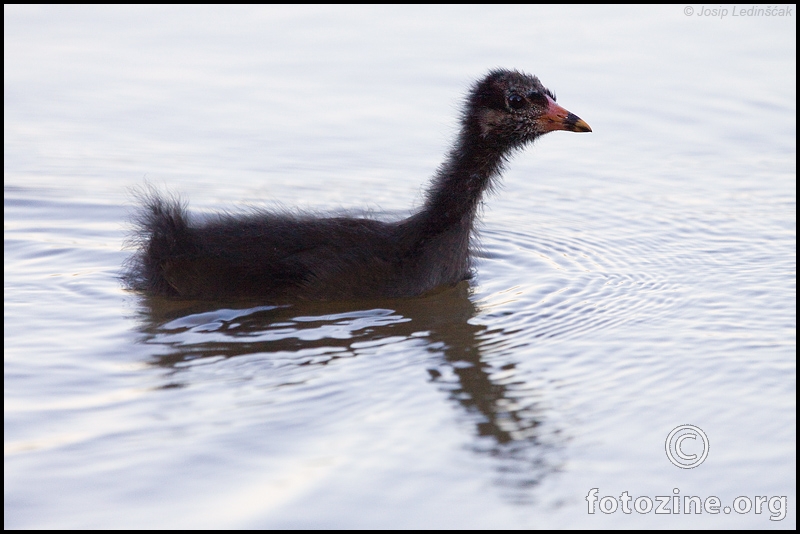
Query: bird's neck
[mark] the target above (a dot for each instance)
(455, 194)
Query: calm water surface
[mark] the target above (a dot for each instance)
(628, 281)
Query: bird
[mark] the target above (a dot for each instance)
(282, 255)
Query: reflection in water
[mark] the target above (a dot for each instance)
(495, 399)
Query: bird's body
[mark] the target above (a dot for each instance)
(287, 256)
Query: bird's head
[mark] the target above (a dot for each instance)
(512, 108)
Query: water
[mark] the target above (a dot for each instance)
(629, 281)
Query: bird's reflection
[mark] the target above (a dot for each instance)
(496, 401)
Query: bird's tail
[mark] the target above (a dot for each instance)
(161, 232)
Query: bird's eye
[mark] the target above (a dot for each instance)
(516, 102)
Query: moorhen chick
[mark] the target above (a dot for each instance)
(280, 256)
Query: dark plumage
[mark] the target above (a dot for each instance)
(285, 256)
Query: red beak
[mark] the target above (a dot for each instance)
(558, 118)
